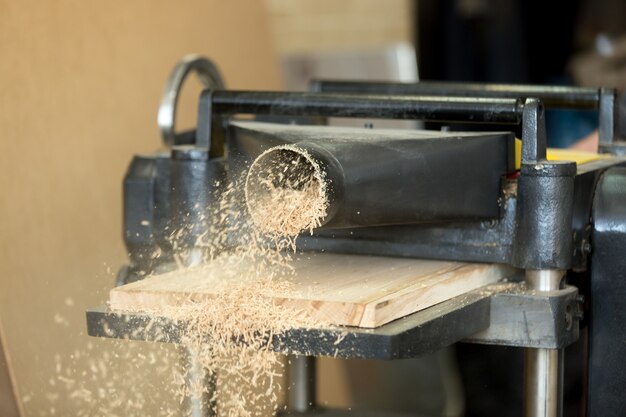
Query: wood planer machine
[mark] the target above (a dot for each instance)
(472, 196)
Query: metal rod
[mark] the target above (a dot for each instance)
(199, 400)
(551, 96)
(435, 108)
(543, 368)
(544, 279)
(301, 391)
(543, 372)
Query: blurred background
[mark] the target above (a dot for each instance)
(80, 84)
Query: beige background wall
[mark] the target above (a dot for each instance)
(80, 83)
(329, 25)
(305, 27)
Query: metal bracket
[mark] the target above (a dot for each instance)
(534, 141)
(607, 116)
(543, 236)
(205, 120)
(527, 318)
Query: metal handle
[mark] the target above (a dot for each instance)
(605, 100)
(209, 76)
(449, 109)
(551, 96)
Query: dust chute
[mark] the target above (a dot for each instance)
(365, 177)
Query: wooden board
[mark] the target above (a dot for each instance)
(364, 291)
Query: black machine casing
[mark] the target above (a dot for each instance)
(548, 216)
(383, 177)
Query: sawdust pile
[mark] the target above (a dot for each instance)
(230, 336)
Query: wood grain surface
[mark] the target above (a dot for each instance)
(364, 291)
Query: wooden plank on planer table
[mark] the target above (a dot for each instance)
(351, 290)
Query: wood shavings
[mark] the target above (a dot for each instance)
(230, 336)
(286, 192)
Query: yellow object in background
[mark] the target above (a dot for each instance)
(557, 154)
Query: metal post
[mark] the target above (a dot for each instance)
(200, 387)
(543, 368)
(301, 383)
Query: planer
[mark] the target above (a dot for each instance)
(552, 222)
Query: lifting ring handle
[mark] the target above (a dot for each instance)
(209, 76)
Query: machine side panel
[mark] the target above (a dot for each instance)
(607, 329)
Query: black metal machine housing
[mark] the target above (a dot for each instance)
(448, 196)
(419, 176)
(538, 237)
